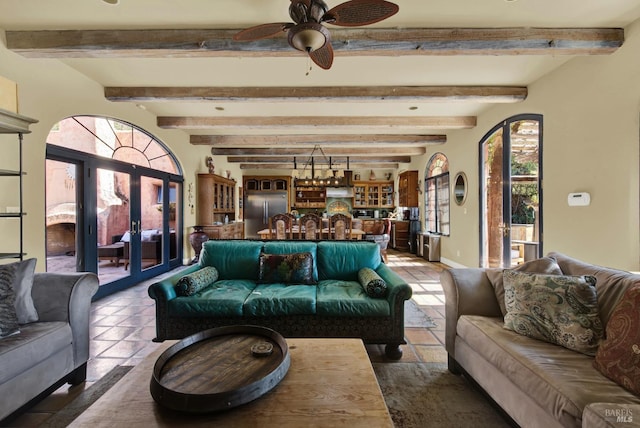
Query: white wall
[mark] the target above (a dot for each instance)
(49, 91)
(591, 108)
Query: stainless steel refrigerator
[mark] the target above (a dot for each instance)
(258, 207)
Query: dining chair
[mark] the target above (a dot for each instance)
(340, 227)
(280, 226)
(310, 227)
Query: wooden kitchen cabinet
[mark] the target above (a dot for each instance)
(408, 189)
(373, 194)
(216, 199)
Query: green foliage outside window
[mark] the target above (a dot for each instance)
(524, 196)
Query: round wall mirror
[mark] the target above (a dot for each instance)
(460, 188)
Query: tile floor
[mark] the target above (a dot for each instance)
(123, 326)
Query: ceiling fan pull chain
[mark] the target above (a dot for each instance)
(309, 65)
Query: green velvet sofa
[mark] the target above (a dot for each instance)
(337, 306)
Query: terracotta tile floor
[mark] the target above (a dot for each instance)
(123, 325)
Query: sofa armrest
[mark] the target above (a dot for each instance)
(67, 297)
(467, 292)
(165, 290)
(396, 286)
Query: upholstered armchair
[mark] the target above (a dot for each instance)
(381, 234)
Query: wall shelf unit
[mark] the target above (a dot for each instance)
(12, 123)
(310, 197)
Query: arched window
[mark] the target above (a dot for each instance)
(436, 195)
(113, 202)
(113, 139)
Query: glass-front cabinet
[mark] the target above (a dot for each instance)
(216, 199)
(373, 194)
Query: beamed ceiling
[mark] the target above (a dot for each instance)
(395, 88)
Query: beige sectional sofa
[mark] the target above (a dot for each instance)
(538, 384)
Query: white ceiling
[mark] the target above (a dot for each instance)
(238, 71)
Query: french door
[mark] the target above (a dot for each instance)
(124, 220)
(511, 192)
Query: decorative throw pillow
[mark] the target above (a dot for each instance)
(373, 285)
(8, 317)
(22, 285)
(555, 308)
(194, 282)
(294, 268)
(618, 356)
(547, 265)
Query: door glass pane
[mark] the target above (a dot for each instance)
(493, 226)
(113, 219)
(175, 197)
(524, 191)
(61, 217)
(443, 203)
(151, 224)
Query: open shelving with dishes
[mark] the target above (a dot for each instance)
(12, 123)
(310, 197)
(373, 194)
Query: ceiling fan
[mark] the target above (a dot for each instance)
(308, 34)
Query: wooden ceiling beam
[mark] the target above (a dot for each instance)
(360, 123)
(318, 160)
(153, 43)
(476, 94)
(328, 151)
(311, 140)
(289, 166)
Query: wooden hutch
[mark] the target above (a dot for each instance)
(217, 207)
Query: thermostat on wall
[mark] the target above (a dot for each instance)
(581, 199)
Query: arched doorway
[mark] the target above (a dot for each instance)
(113, 202)
(511, 193)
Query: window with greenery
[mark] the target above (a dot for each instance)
(436, 195)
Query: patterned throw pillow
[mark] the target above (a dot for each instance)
(618, 356)
(542, 265)
(194, 282)
(555, 308)
(295, 268)
(8, 317)
(22, 285)
(373, 285)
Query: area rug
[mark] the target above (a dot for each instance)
(427, 394)
(72, 410)
(415, 317)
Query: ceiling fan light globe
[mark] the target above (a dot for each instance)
(308, 37)
(308, 40)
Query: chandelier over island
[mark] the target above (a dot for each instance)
(329, 177)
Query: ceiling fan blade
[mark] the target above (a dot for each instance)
(263, 31)
(323, 57)
(355, 13)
